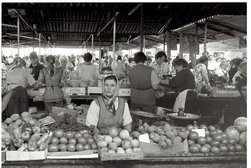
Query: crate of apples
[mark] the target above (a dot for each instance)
(71, 143)
(118, 145)
(216, 142)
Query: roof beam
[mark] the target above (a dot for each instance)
(231, 27)
(216, 29)
(134, 9)
(116, 14)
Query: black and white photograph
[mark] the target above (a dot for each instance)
(124, 84)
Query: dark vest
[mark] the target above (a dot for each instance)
(142, 92)
(106, 118)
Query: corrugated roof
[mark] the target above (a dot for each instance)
(72, 23)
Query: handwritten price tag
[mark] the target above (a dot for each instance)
(201, 132)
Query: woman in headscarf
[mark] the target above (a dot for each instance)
(52, 78)
(109, 110)
(18, 78)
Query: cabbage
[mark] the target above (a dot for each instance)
(241, 124)
(243, 138)
(232, 133)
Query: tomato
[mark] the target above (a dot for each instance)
(71, 147)
(207, 132)
(199, 146)
(63, 140)
(82, 140)
(218, 131)
(209, 139)
(232, 141)
(211, 128)
(203, 126)
(207, 145)
(224, 135)
(53, 148)
(194, 149)
(62, 147)
(224, 141)
(25, 136)
(204, 149)
(58, 133)
(190, 127)
(87, 147)
(217, 137)
(212, 133)
(86, 135)
(239, 147)
(94, 146)
(215, 143)
(223, 148)
(54, 140)
(90, 141)
(202, 140)
(193, 135)
(78, 135)
(190, 142)
(69, 135)
(79, 147)
(231, 147)
(215, 150)
(72, 141)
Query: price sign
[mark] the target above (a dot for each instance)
(201, 132)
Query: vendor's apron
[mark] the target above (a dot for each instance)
(107, 118)
(180, 101)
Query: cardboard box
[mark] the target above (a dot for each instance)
(23, 156)
(98, 90)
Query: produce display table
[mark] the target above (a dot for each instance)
(151, 162)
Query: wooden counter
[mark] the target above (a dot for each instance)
(148, 162)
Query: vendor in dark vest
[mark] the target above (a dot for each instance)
(35, 66)
(143, 80)
(109, 110)
(184, 85)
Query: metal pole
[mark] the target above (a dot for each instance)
(205, 38)
(92, 42)
(144, 44)
(39, 43)
(18, 35)
(164, 46)
(141, 29)
(114, 37)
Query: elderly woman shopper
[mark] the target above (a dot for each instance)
(18, 78)
(52, 78)
(109, 110)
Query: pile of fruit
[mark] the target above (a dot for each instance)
(117, 142)
(71, 141)
(233, 139)
(164, 135)
(23, 133)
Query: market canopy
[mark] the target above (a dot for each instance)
(72, 24)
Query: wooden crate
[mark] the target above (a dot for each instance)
(104, 156)
(73, 155)
(25, 155)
